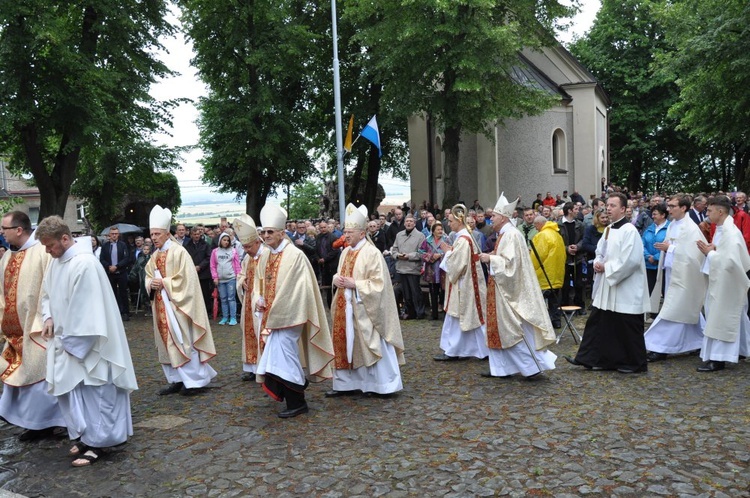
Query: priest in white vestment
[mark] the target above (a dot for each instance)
(247, 233)
(25, 401)
(366, 331)
(295, 339)
(679, 326)
(726, 336)
(463, 334)
(519, 328)
(181, 328)
(89, 367)
(613, 337)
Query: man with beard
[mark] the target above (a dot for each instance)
(25, 401)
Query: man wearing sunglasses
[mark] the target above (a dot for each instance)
(290, 310)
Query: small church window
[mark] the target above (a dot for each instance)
(559, 152)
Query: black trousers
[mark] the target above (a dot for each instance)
(572, 281)
(280, 390)
(553, 304)
(206, 291)
(413, 301)
(119, 282)
(437, 296)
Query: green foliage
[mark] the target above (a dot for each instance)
(452, 60)
(74, 77)
(252, 58)
(116, 176)
(304, 200)
(647, 150)
(710, 65)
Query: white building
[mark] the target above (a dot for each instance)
(564, 148)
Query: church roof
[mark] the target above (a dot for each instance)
(526, 73)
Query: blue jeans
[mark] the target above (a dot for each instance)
(228, 302)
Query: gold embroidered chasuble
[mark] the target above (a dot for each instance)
(289, 288)
(375, 317)
(24, 357)
(517, 295)
(252, 349)
(465, 297)
(186, 299)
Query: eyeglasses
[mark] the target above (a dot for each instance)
(267, 232)
(10, 228)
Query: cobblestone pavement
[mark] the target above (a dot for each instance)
(452, 433)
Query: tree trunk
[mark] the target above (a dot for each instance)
(371, 182)
(452, 192)
(634, 175)
(356, 178)
(256, 196)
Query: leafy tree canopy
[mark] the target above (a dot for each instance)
(75, 77)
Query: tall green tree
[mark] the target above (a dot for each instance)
(619, 50)
(69, 73)
(452, 60)
(111, 177)
(710, 66)
(252, 57)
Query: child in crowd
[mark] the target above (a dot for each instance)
(225, 266)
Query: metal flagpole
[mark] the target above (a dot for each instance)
(337, 106)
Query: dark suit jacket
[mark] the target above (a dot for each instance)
(324, 245)
(694, 216)
(123, 257)
(201, 254)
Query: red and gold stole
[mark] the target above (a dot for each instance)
(161, 311)
(339, 324)
(11, 325)
(269, 290)
(474, 281)
(493, 332)
(251, 339)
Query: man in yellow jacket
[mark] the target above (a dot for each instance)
(548, 256)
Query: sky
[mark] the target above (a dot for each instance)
(184, 132)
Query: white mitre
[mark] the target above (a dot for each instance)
(245, 228)
(504, 207)
(272, 216)
(160, 218)
(356, 217)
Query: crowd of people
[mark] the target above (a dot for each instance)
(498, 276)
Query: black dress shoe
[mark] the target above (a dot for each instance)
(248, 377)
(125, 317)
(489, 375)
(711, 366)
(32, 435)
(445, 357)
(652, 356)
(338, 394)
(171, 389)
(581, 312)
(573, 361)
(556, 325)
(293, 412)
(631, 371)
(191, 391)
(535, 376)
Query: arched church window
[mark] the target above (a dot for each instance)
(559, 152)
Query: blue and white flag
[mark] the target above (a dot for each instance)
(371, 133)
